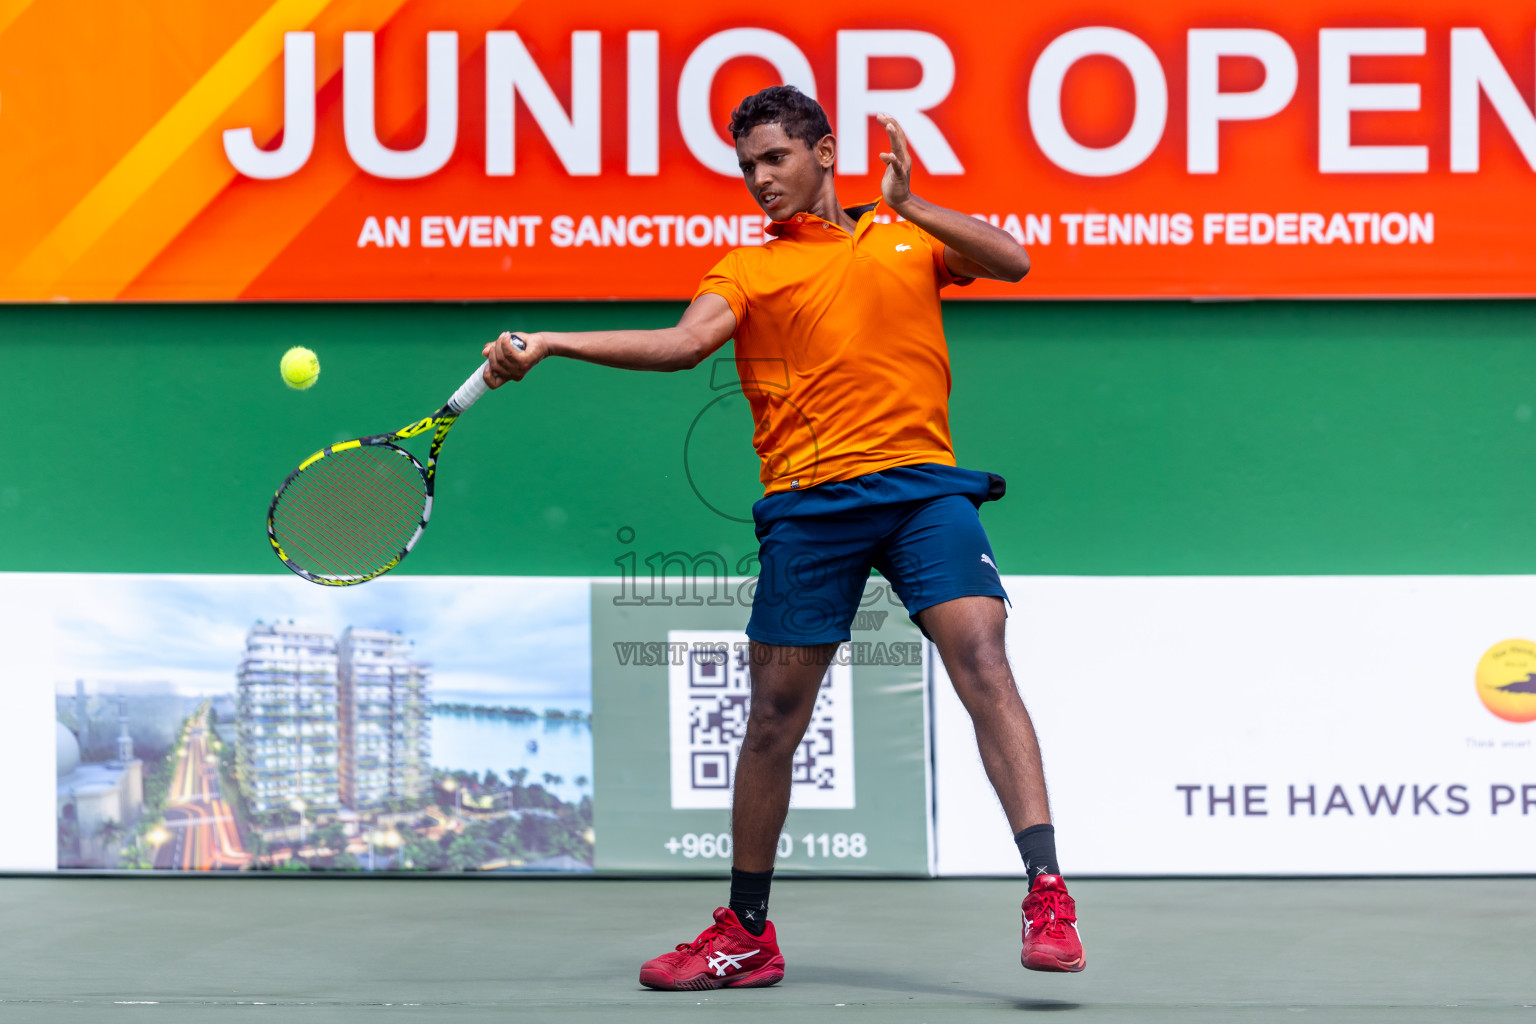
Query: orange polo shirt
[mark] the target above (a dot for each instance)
(840, 347)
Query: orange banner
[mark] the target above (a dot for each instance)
(490, 149)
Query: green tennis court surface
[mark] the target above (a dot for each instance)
(937, 951)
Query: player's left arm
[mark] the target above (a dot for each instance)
(972, 248)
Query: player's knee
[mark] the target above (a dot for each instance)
(775, 725)
(980, 672)
(975, 657)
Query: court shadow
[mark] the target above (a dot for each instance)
(888, 982)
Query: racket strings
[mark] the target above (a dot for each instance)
(342, 548)
(356, 508)
(352, 513)
(330, 535)
(353, 525)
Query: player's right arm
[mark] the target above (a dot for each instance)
(706, 324)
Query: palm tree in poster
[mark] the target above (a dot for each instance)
(467, 853)
(110, 833)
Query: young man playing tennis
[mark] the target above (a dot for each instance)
(840, 349)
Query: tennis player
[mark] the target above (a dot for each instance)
(840, 349)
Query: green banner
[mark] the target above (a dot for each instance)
(1276, 438)
(670, 697)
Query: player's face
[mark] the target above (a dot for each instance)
(783, 174)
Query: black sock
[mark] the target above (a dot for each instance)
(749, 898)
(1037, 845)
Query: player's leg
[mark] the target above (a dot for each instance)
(785, 682)
(811, 576)
(968, 631)
(940, 562)
(741, 948)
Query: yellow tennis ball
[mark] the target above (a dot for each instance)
(300, 367)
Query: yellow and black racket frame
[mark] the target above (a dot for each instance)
(470, 392)
(439, 422)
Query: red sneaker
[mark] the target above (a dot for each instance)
(1051, 942)
(724, 955)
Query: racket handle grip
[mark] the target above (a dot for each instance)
(472, 389)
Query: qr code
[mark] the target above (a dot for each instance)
(709, 690)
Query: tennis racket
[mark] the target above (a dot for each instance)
(352, 512)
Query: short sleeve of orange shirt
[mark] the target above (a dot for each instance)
(840, 346)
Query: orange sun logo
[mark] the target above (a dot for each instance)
(1506, 680)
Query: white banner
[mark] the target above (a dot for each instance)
(1323, 725)
(1318, 725)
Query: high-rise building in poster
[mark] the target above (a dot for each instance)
(288, 732)
(385, 715)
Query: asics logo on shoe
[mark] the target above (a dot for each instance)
(903, 247)
(723, 962)
(988, 559)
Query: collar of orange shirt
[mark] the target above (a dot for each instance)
(781, 228)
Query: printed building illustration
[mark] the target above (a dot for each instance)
(384, 718)
(287, 716)
(332, 724)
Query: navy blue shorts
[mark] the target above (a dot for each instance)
(918, 525)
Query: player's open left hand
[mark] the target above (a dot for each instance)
(896, 186)
(511, 356)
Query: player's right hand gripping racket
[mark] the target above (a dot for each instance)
(352, 512)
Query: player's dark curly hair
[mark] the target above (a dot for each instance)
(800, 116)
